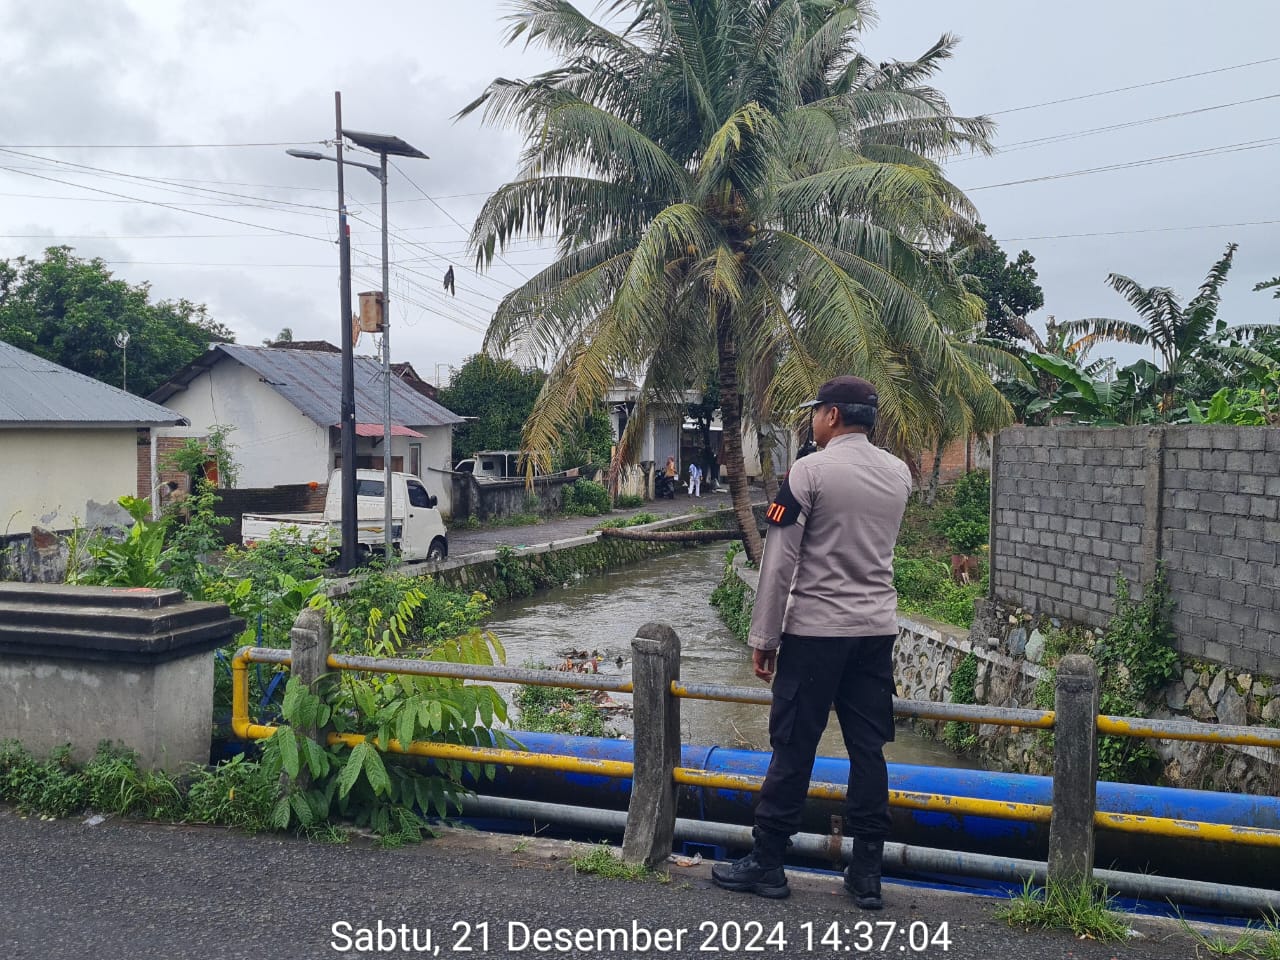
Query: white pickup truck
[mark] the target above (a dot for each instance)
(418, 532)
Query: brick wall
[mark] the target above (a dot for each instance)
(957, 459)
(1071, 507)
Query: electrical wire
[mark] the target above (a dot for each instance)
(1149, 161)
(1118, 233)
(1134, 86)
(170, 206)
(1019, 145)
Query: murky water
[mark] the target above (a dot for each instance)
(601, 613)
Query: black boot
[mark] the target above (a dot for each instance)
(759, 872)
(862, 878)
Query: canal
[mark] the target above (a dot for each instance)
(599, 614)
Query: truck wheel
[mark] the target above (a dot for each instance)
(439, 550)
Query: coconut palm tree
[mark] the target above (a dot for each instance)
(732, 184)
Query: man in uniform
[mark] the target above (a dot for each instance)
(824, 622)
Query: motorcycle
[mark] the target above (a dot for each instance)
(665, 486)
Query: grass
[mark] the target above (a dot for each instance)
(1083, 908)
(1255, 943)
(560, 710)
(603, 862)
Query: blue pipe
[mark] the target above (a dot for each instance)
(1226, 862)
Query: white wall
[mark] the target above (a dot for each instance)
(55, 478)
(272, 442)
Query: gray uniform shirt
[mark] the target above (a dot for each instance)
(828, 566)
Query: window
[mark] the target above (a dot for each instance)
(368, 488)
(415, 459)
(418, 496)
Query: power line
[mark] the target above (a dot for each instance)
(450, 215)
(1135, 86)
(166, 184)
(170, 206)
(1149, 161)
(1117, 233)
(1018, 145)
(156, 146)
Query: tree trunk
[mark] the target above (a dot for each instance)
(731, 440)
(934, 474)
(768, 473)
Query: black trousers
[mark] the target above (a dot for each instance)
(856, 675)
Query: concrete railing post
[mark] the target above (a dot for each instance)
(309, 642)
(1075, 770)
(651, 816)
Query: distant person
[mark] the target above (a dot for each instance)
(695, 480)
(670, 469)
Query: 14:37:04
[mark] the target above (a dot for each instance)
(866, 936)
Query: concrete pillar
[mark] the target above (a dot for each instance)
(651, 816)
(1075, 770)
(133, 666)
(1152, 506)
(310, 641)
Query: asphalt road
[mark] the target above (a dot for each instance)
(128, 891)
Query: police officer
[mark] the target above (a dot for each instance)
(822, 630)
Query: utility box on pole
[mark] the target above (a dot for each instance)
(372, 313)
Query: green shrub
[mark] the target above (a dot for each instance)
(585, 498)
(732, 598)
(964, 534)
(629, 501)
(919, 579)
(971, 494)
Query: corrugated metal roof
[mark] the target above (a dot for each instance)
(38, 392)
(312, 382)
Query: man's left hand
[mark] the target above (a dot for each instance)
(764, 662)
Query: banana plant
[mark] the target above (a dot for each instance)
(1128, 399)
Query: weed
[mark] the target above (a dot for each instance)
(1083, 908)
(1255, 943)
(603, 862)
(629, 501)
(560, 710)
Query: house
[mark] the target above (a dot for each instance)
(69, 446)
(284, 406)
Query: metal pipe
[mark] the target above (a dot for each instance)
(1190, 730)
(387, 519)
(347, 403)
(911, 800)
(897, 857)
(467, 671)
(1187, 829)
(907, 709)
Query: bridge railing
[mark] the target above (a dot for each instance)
(656, 772)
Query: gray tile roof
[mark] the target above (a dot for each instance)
(35, 392)
(312, 381)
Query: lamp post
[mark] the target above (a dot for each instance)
(384, 146)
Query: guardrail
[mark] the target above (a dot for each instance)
(656, 773)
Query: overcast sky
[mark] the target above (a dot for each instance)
(263, 72)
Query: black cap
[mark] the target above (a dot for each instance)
(846, 390)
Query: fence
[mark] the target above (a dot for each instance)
(655, 771)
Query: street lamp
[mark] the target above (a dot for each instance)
(384, 146)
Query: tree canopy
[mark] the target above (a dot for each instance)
(735, 186)
(499, 395)
(70, 310)
(1008, 289)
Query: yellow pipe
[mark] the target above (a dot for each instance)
(939, 803)
(495, 755)
(1132, 727)
(1186, 829)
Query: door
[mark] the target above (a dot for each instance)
(422, 522)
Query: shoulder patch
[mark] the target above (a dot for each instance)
(785, 509)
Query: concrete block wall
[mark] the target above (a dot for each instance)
(1072, 507)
